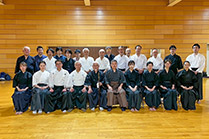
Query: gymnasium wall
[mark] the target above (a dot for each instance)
(106, 22)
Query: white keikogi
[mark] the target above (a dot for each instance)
(197, 61)
(157, 62)
(41, 77)
(140, 61)
(50, 64)
(122, 61)
(77, 78)
(58, 78)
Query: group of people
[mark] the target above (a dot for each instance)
(48, 83)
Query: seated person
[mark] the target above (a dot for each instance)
(94, 81)
(22, 83)
(186, 80)
(115, 79)
(167, 83)
(57, 98)
(150, 83)
(133, 90)
(77, 92)
(41, 88)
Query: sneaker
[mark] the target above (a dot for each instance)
(39, 111)
(101, 108)
(34, 112)
(93, 109)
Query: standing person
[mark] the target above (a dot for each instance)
(128, 52)
(186, 81)
(86, 61)
(115, 79)
(58, 96)
(109, 54)
(156, 60)
(150, 83)
(41, 88)
(77, 55)
(176, 65)
(59, 55)
(29, 60)
(122, 59)
(22, 83)
(104, 64)
(94, 81)
(77, 91)
(197, 62)
(140, 60)
(39, 57)
(50, 60)
(133, 87)
(167, 82)
(69, 63)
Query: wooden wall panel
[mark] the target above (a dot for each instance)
(106, 22)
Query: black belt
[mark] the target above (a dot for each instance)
(155, 69)
(194, 69)
(78, 86)
(42, 84)
(122, 69)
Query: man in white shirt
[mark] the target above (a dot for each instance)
(77, 91)
(104, 64)
(197, 62)
(50, 60)
(122, 59)
(156, 60)
(86, 61)
(58, 97)
(77, 55)
(140, 60)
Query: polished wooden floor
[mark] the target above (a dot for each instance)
(115, 124)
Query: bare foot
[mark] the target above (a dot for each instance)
(136, 110)
(132, 109)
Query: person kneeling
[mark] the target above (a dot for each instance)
(115, 79)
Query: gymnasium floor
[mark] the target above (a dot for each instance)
(115, 124)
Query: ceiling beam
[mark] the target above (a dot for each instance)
(173, 2)
(1, 2)
(87, 2)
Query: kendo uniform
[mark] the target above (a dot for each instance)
(150, 79)
(69, 65)
(188, 97)
(30, 61)
(134, 98)
(167, 79)
(62, 58)
(21, 100)
(176, 62)
(38, 59)
(110, 58)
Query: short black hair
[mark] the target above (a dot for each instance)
(38, 47)
(41, 63)
(59, 48)
(58, 60)
(186, 62)
(50, 49)
(69, 51)
(77, 51)
(149, 62)
(167, 60)
(172, 46)
(131, 62)
(138, 46)
(114, 61)
(196, 44)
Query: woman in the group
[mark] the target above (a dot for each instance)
(132, 87)
(69, 62)
(41, 88)
(150, 83)
(167, 83)
(22, 83)
(186, 80)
